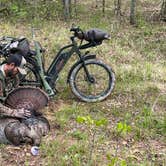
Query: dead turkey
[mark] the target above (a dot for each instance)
(27, 97)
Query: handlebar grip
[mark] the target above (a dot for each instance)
(75, 29)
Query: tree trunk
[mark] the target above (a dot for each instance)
(96, 4)
(132, 12)
(103, 7)
(117, 4)
(66, 6)
(163, 11)
(75, 7)
(70, 8)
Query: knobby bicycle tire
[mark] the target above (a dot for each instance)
(32, 77)
(78, 72)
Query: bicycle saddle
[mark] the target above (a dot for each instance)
(93, 35)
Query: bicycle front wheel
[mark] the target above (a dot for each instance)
(100, 86)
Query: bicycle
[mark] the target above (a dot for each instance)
(90, 79)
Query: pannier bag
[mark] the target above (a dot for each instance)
(22, 46)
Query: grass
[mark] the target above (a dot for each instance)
(137, 55)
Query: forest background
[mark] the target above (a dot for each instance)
(131, 122)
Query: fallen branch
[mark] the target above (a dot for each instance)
(156, 100)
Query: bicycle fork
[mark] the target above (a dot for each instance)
(88, 76)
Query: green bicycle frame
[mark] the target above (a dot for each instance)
(49, 77)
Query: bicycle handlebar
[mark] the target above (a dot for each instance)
(94, 36)
(77, 31)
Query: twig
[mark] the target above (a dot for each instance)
(92, 144)
(155, 102)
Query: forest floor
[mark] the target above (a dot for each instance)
(135, 132)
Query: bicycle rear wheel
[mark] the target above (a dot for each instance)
(31, 78)
(103, 80)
